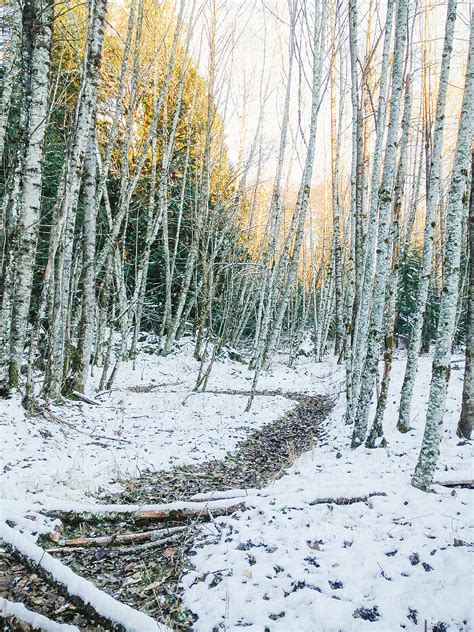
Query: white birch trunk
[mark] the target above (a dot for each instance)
(365, 287)
(429, 232)
(40, 20)
(10, 67)
(466, 420)
(69, 194)
(385, 197)
(457, 207)
(87, 322)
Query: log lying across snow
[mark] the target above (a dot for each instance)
(227, 494)
(467, 484)
(93, 602)
(174, 512)
(345, 501)
(36, 621)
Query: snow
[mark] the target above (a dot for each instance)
(104, 604)
(37, 621)
(151, 419)
(283, 564)
(67, 506)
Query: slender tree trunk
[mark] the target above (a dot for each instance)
(457, 206)
(466, 420)
(429, 232)
(392, 287)
(68, 196)
(10, 66)
(87, 323)
(37, 33)
(365, 273)
(336, 210)
(385, 197)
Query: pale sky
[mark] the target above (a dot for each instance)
(257, 63)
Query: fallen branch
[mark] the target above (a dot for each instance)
(47, 414)
(147, 545)
(37, 621)
(227, 494)
(345, 501)
(84, 398)
(294, 396)
(467, 484)
(88, 598)
(118, 538)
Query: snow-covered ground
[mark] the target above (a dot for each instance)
(152, 419)
(402, 559)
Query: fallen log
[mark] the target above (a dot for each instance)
(19, 612)
(173, 512)
(93, 602)
(47, 414)
(345, 501)
(117, 539)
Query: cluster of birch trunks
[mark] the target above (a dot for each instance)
(122, 212)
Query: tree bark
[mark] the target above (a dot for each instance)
(466, 420)
(457, 206)
(429, 232)
(385, 198)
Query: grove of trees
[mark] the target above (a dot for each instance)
(123, 213)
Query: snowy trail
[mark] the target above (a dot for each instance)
(393, 562)
(163, 427)
(402, 561)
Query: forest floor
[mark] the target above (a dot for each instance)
(283, 560)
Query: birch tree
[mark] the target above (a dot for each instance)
(457, 207)
(37, 21)
(364, 270)
(68, 194)
(466, 421)
(429, 232)
(10, 68)
(384, 206)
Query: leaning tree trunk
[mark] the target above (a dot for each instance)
(466, 421)
(457, 205)
(267, 290)
(302, 202)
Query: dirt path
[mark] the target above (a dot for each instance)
(148, 580)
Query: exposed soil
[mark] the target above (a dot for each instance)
(148, 580)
